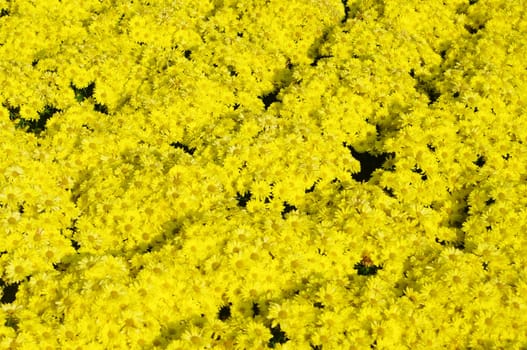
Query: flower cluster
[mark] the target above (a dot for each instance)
(305, 174)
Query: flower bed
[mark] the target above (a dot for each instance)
(311, 174)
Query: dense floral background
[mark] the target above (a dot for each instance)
(311, 174)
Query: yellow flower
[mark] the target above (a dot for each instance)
(278, 313)
(256, 207)
(254, 335)
(260, 190)
(13, 172)
(195, 338)
(19, 266)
